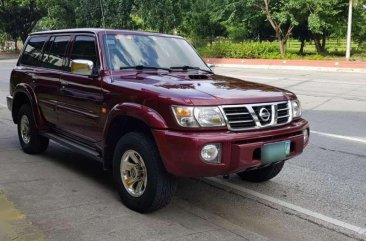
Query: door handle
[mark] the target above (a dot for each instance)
(64, 83)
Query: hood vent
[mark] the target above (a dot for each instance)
(198, 76)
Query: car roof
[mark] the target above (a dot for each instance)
(108, 31)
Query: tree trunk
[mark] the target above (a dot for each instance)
(16, 44)
(282, 43)
(302, 46)
(318, 45)
(324, 41)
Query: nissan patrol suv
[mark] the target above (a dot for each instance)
(148, 108)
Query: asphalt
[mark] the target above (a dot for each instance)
(61, 195)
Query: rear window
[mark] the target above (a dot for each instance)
(54, 55)
(33, 51)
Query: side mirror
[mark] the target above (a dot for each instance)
(81, 66)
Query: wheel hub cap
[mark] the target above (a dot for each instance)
(25, 129)
(133, 173)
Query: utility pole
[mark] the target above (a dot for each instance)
(349, 30)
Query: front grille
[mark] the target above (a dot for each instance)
(255, 116)
(239, 117)
(283, 113)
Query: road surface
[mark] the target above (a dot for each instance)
(61, 195)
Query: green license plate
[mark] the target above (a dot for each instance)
(275, 152)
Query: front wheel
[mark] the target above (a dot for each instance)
(139, 174)
(262, 174)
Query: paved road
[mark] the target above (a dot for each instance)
(61, 195)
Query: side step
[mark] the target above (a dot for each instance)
(82, 149)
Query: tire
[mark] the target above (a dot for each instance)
(29, 138)
(262, 174)
(159, 186)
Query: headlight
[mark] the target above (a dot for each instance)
(296, 108)
(198, 116)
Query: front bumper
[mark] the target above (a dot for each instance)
(180, 151)
(9, 101)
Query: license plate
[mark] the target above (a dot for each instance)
(275, 152)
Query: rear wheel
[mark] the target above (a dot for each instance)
(139, 174)
(29, 138)
(262, 174)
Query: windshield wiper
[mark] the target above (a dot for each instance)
(142, 67)
(186, 67)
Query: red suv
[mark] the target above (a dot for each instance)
(149, 108)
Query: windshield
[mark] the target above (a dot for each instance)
(125, 51)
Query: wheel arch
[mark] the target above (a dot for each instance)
(23, 94)
(125, 118)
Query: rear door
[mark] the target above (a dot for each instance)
(47, 75)
(81, 96)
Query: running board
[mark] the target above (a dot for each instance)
(82, 149)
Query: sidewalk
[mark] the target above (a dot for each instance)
(6, 56)
(315, 65)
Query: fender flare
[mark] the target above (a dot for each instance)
(24, 88)
(143, 113)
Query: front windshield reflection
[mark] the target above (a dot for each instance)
(125, 51)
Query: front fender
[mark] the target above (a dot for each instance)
(19, 91)
(143, 113)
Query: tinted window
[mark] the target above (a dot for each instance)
(33, 51)
(54, 56)
(84, 48)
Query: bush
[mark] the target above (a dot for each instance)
(2, 39)
(240, 50)
(252, 50)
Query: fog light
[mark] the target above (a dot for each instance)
(306, 136)
(211, 153)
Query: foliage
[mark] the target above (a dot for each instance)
(239, 50)
(160, 15)
(18, 18)
(201, 21)
(2, 39)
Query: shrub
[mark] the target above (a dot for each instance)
(239, 50)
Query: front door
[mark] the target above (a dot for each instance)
(81, 98)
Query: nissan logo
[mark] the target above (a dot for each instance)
(264, 114)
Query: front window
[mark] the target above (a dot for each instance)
(124, 51)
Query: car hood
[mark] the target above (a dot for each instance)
(217, 89)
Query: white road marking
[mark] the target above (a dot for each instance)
(3, 105)
(227, 185)
(348, 138)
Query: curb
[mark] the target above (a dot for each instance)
(280, 67)
(10, 59)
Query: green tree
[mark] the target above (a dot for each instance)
(60, 15)
(116, 13)
(282, 16)
(325, 18)
(359, 26)
(160, 15)
(18, 18)
(252, 20)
